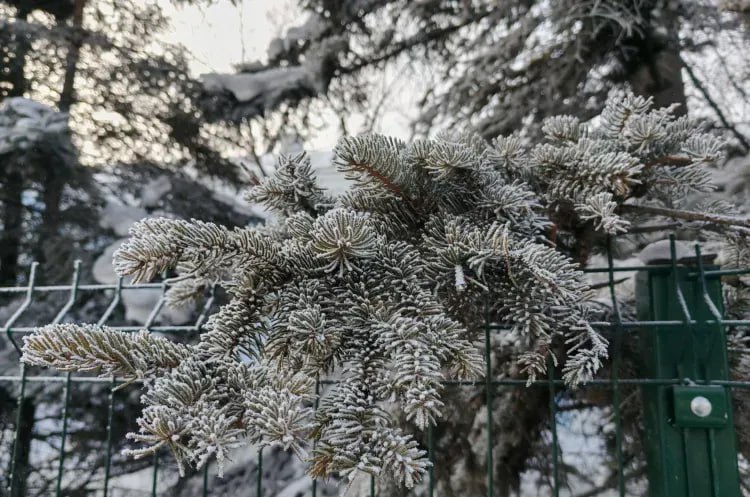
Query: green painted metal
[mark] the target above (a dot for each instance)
(14, 473)
(66, 391)
(488, 387)
(204, 491)
(316, 403)
(13, 469)
(116, 297)
(685, 461)
(616, 360)
(63, 436)
(431, 456)
(259, 474)
(553, 428)
(110, 417)
(684, 398)
(155, 475)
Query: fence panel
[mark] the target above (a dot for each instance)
(56, 416)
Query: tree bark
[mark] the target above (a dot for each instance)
(661, 78)
(22, 448)
(52, 195)
(10, 239)
(54, 181)
(657, 63)
(12, 229)
(67, 95)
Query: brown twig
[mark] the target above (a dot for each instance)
(384, 180)
(688, 215)
(670, 160)
(650, 228)
(712, 103)
(390, 185)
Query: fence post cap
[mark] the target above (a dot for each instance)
(659, 253)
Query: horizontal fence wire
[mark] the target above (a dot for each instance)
(76, 291)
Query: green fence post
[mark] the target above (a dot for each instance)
(690, 439)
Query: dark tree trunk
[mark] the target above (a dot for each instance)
(10, 239)
(17, 63)
(661, 77)
(658, 71)
(54, 181)
(67, 95)
(48, 231)
(22, 448)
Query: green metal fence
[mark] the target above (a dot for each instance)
(683, 373)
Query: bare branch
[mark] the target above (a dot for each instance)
(688, 215)
(712, 103)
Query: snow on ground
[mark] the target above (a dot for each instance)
(119, 217)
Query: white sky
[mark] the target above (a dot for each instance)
(223, 34)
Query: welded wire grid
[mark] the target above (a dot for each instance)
(617, 328)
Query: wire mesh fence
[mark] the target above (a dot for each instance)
(60, 448)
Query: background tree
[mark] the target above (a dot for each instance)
(93, 108)
(128, 97)
(500, 66)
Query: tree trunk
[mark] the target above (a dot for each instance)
(54, 181)
(22, 448)
(661, 78)
(48, 231)
(659, 75)
(10, 240)
(67, 95)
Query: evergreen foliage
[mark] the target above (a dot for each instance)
(382, 288)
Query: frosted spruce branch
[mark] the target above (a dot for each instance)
(70, 347)
(383, 287)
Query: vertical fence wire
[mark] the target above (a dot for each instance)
(617, 357)
(116, 297)
(713, 309)
(204, 491)
(259, 486)
(488, 392)
(13, 469)
(316, 404)
(553, 428)
(155, 475)
(66, 390)
(431, 456)
(110, 418)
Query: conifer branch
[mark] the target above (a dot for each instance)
(384, 295)
(687, 215)
(133, 356)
